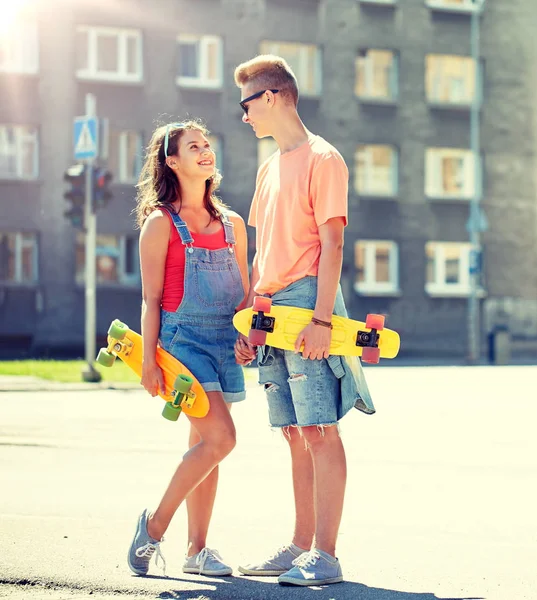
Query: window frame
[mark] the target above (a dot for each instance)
(436, 155)
(369, 193)
(467, 7)
(91, 71)
(265, 141)
(453, 104)
(22, 134)
(393, 81)
(439, 287)
(272, 47)
(122, 156)
(202, 81)
(22, 48)
(20, 245)
(379, 2)
(124, 279)
(370, 286)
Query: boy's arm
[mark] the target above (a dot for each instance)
(330, 262)
(316, 337)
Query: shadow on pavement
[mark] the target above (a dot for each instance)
(246, 588)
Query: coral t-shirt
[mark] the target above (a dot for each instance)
(296, 192)
(174, 273)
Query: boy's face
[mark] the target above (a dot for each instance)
(258, 111)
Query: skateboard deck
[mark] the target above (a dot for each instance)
(183, 391)
(279, 326)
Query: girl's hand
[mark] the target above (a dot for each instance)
(152, 378)
(244, 351)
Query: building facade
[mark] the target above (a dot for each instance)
(389, 83)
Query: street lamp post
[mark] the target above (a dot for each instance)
(476, 222)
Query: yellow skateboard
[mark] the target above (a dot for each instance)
(184, 392)
(279, 326)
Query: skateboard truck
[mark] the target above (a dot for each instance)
(261, 322)
(368, 340)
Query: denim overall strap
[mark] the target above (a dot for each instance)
(182, 229)
(228, 230)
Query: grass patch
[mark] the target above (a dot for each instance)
(70, 371)
(66, 371)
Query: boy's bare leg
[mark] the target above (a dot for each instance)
(330, 477)
(302, 467)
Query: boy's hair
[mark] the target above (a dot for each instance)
(268, 71)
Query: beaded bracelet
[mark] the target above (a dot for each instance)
(322, 323)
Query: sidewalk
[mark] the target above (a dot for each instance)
(18, 383)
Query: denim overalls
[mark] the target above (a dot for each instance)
(310, 392)
(200, 332)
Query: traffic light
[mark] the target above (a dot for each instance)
(101, 191)
(75, 196)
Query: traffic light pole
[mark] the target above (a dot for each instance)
(474, 320)
(90, 225)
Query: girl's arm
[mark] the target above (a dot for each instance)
(241, 249)
(153, 250)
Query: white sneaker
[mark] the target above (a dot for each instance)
(207, 562)
(280, 562)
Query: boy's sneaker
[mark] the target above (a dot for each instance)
(280, 562)
(143, 547)
(313, 568)
(207, 562)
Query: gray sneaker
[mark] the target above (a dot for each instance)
(207, 562)
(280, 562)
(142, 548)
(313, 568)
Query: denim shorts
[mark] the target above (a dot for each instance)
(301, 392)
(207, 351)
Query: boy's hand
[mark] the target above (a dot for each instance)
(244, 351)
(316, 340)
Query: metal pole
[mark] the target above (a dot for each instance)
(474, 328)
(90, 222)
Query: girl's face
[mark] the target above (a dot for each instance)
(195, 158)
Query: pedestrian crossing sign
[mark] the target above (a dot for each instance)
(85, 137)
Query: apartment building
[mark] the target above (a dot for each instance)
(389, 82)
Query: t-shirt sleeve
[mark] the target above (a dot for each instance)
(329, 189)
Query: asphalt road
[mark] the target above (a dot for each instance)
(440, 501)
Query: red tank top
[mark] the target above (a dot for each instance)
(174, 271)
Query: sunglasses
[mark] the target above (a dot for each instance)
(167, 136)
(253, 97)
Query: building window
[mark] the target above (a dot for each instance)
(376, 171)
(18, 152)
(200, 61)
(450, 79)
(265, 149)
(376, 75)
(448, 268)
(18, 257)
(116, 259)
(454, 5)
(125, 155)
(377, 267)
(304, 59)
(216, 144)
(109, 54)
(19, 51)
(450, 173)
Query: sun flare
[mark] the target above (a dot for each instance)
(10, 11)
